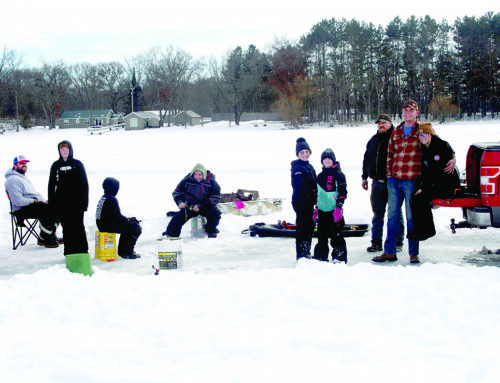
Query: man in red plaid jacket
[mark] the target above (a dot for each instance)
(404, 167)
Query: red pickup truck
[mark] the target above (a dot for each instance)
(480, 197)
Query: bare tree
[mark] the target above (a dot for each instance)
(113, 76)
(167, 71)
(10, 79)
(88, 84)
(52, 82)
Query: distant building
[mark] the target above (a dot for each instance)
(247, 116)
(141, 120)
(187, 117)
(86, 118)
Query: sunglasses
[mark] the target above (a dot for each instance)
(422, 135)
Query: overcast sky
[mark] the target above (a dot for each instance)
(109, 30)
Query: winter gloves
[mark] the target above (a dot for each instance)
(337, 214)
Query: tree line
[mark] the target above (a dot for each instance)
(340, 71)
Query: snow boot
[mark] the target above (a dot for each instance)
(303, 248)
(339, 256)
(132, 255)
(47, 240)
(374, 248)
(321, 251)
(384, 257)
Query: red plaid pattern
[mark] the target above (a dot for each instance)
(404, 157)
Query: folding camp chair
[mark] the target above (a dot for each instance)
(22, 227)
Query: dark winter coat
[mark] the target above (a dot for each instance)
(332, 188)
(305, 190)
(375, 158)
(435, 182)
(108, 214)
(204, 194)
(68, 185)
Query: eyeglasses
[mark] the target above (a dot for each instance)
(423, 135)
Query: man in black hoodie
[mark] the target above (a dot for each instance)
(110, 219)
(69, 198)
(375, 167)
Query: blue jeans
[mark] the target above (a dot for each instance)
(399, 191)
(378, 200)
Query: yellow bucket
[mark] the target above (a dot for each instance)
(105, 246)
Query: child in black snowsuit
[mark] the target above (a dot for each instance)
(110, 219)
(303, 198)
(332, 192)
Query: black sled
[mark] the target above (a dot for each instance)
(284, 229)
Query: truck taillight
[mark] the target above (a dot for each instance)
(490, 177)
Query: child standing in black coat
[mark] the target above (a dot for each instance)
(303, 198)
(332, 192)
(110, 219)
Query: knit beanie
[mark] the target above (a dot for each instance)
(301, 145)
(426, 127)
(328, 153)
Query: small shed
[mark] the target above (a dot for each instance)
(187, 117)
(141, 120)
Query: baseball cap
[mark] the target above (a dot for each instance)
(20, 158)
(412, 104)
(384, 118)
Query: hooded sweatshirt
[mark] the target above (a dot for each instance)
(21, 191)
(68, 185)
(108, 214)
(204, 194)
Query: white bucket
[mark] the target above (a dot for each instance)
(198, 226)
(170, 254)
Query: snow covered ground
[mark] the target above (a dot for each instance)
(241, 309)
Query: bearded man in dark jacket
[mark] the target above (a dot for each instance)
(197, 194)
(110, 219)
(69, 198)
(375, 167)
